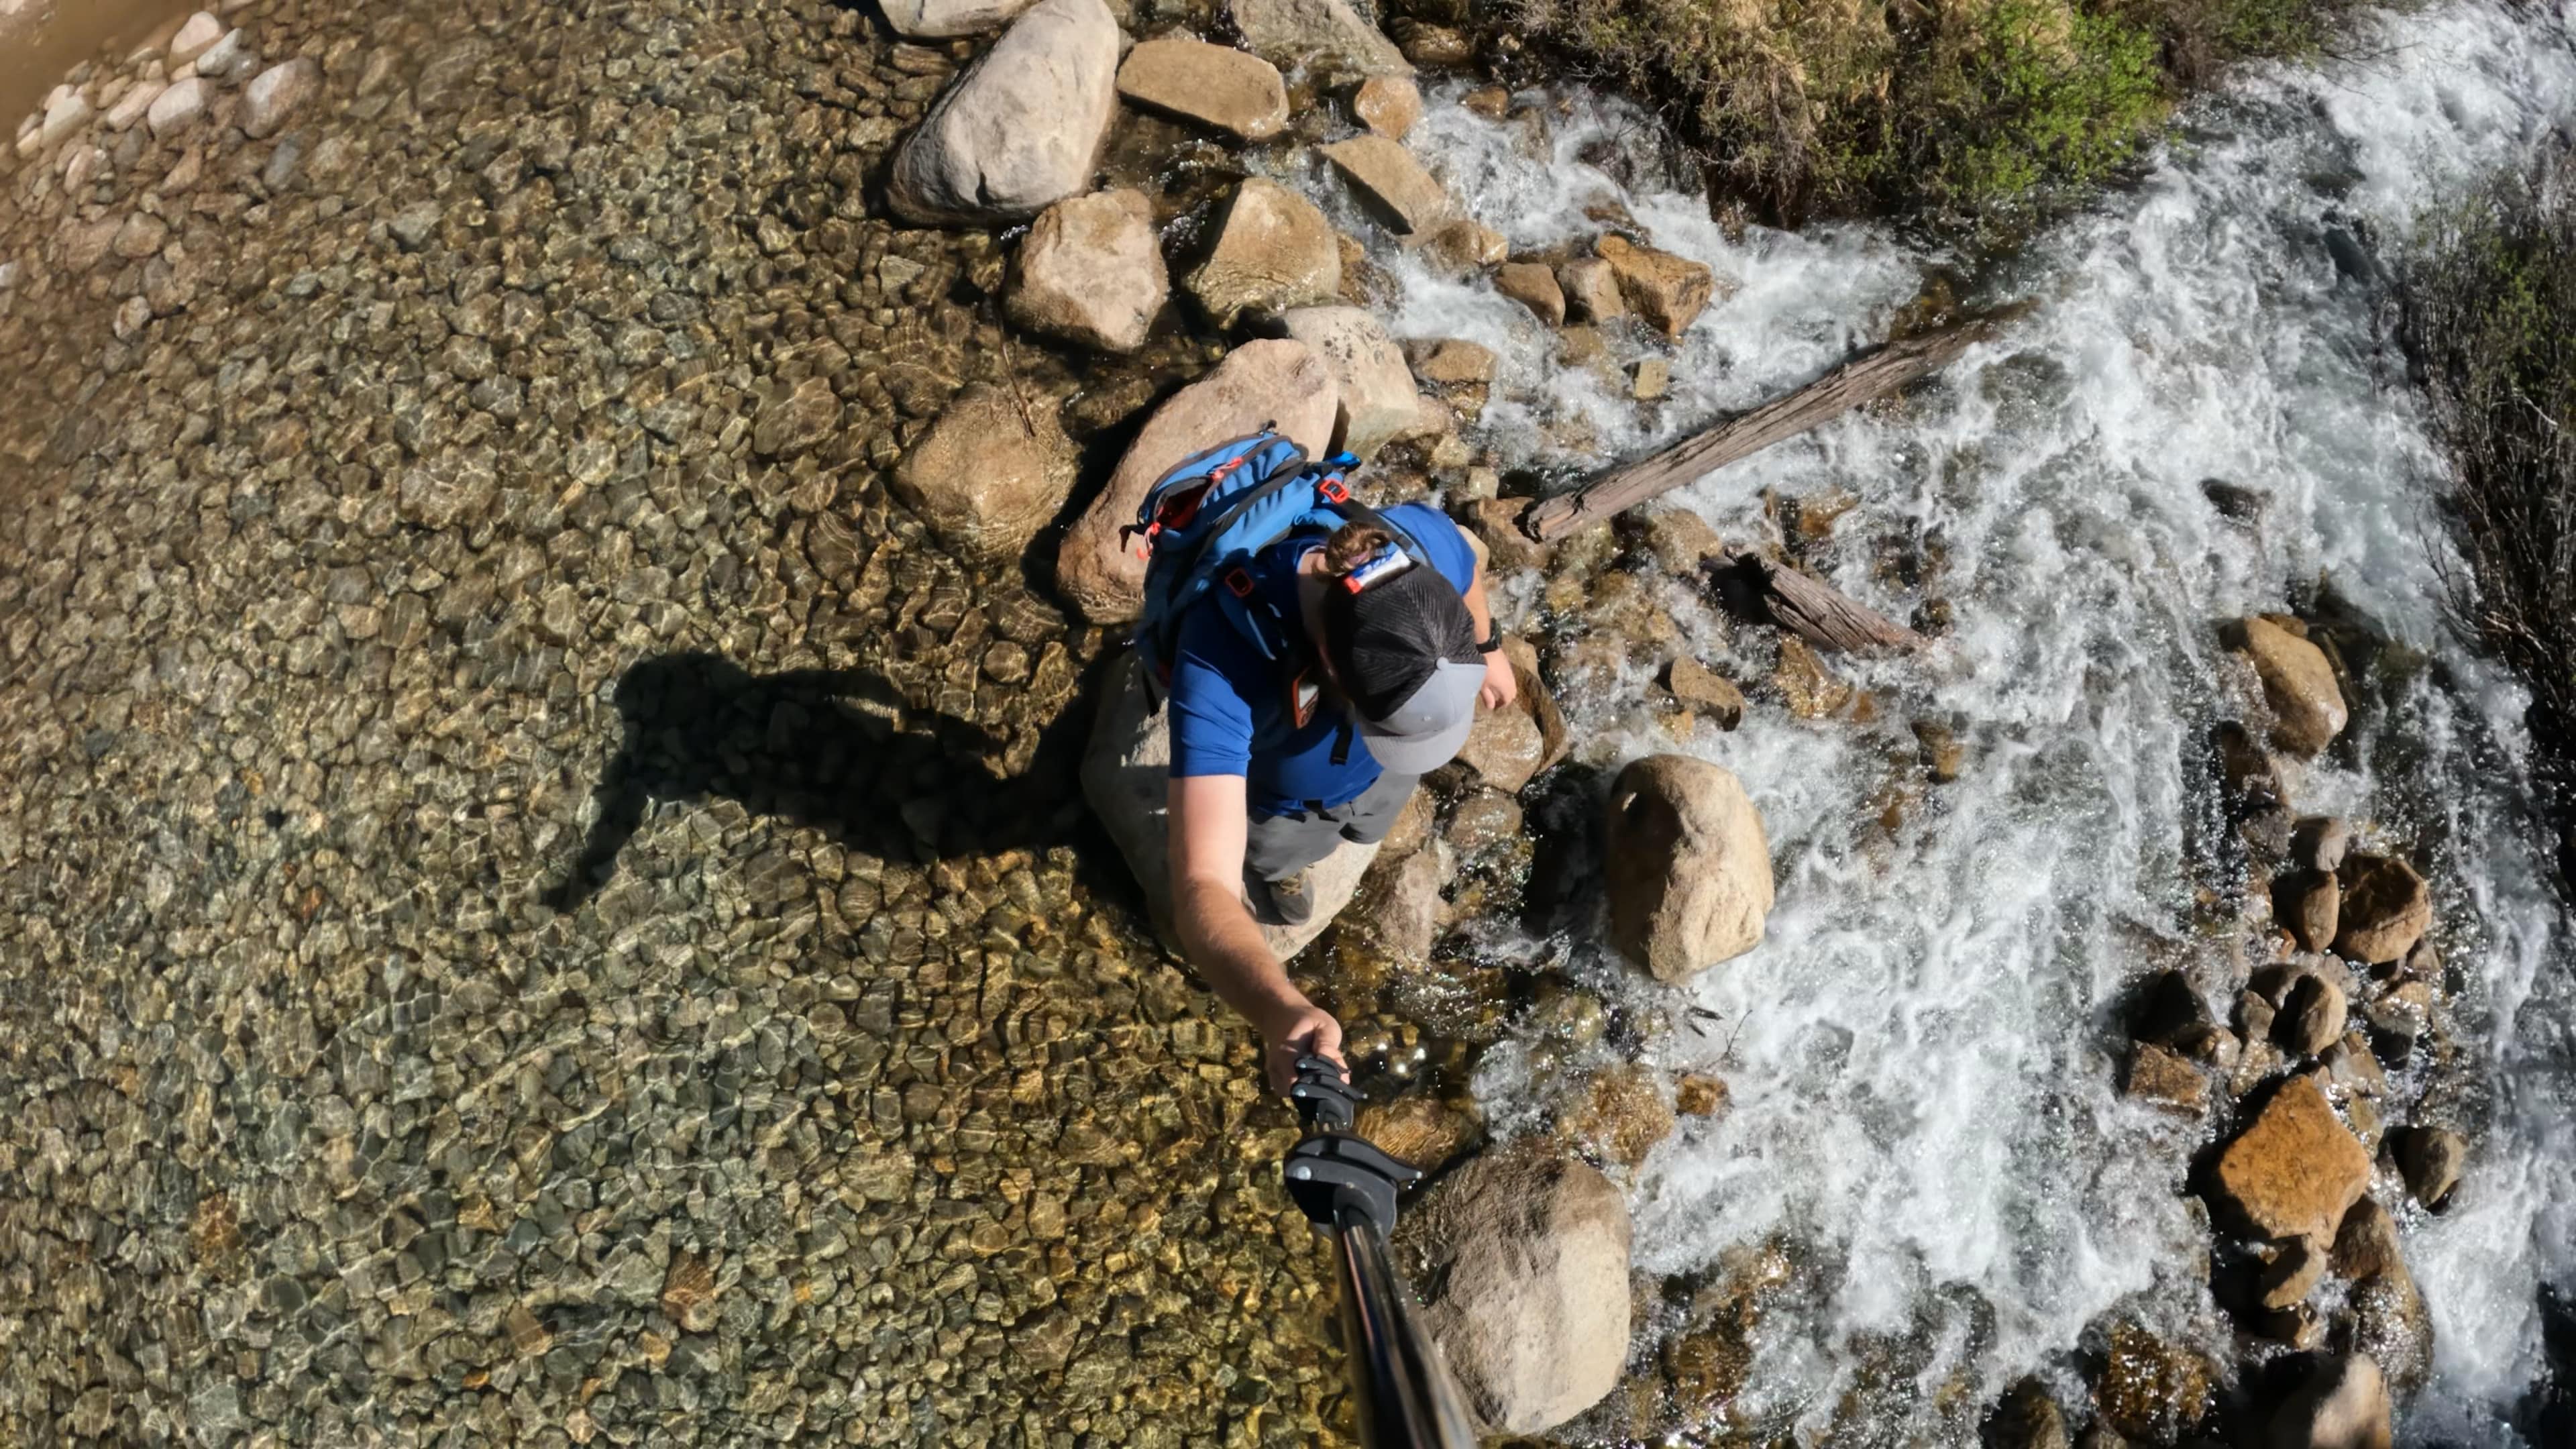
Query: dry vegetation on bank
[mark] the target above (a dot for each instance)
(2489, 318)
(1967, 114)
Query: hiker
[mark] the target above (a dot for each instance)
(1319, 658)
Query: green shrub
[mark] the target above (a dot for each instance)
(1973, 114)
(2488, 317)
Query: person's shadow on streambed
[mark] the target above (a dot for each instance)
(838, 749)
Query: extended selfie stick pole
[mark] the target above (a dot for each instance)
(1347, 1187)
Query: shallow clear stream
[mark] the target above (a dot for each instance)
(1923, 1054)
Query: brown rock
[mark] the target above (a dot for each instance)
(1705, 691)
(1440, 45)
(1421, 1130)
(2293, 1275)
(1403, 911)
(1591, 290)
(1539, 702)
(2432, 1159)
(1273, 251)
(2310, 903)
(2320, 843)
(1091, 271)
(2385, 910)
(1388, 105)
(2307, 704)
(1809, 689)
(2159, 1075)
(1273, 380)
(1463, 244)
(1688, 864)
(1618, 1116)
(2027, 1419)
(1521, 1258)
(987, 475)
(1390, 183)
(2296, 1171)
(794, 423)
(1215, 85)
(1326, 36)
(2311, 1017)
(689, 1293)
(1496, 523)
(2343, 1404)
(2366, 1246)
(2151, 1389)
(1450, 361)
(1938, 746)
(528, 1334)
(1699, 1095)
(1667, 291)
(1377, 402)
(1533, 286)
(1681, 541)
(1505, 748)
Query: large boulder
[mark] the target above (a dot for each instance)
(1521, 1258)
(1689, 866)
(1275, 380)
(2342, 1404)
(1214, 85)
(1274, 251)
(1327, 36)
(2307, 704)
(1378, 400)
(1091, 271)
(2297, 1170)
(940, 19)
(988, 474)
(1022, 128)
(2386, 907)
(1127, 776)
(1391, 184)
(1666, 290)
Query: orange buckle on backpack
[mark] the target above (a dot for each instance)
(1333, 490)
(1240, 582)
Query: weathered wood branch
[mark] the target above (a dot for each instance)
(1871, 375)
(1756, 586)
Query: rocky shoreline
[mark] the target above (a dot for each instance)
(559, 599)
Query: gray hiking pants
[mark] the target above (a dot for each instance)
(1279, 846)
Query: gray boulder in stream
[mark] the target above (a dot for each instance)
(1689, 866)
(1022, 128)
(1521, 1258)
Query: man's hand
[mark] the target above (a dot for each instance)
(1502, 682)
(1298, 1028)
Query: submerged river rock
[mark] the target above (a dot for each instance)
(540, 902)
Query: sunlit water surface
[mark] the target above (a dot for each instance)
(1922, 1054)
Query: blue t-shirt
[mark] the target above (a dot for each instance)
(1230, 712)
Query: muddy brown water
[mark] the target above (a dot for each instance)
(42, 42)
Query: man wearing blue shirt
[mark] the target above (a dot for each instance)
(1275, 763)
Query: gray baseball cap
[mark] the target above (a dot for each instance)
(1428, 729)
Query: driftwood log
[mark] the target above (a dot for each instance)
(1750, 584)
(1767, 590)
(1871, 375)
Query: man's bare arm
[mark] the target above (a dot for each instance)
(1502, 686)
(1209, 824)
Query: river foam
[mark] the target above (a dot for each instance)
(1922, 1055)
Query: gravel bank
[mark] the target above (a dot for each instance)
(539, 905)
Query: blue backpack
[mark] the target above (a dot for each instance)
(1205, 520)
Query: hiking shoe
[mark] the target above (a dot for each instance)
(1289, 899)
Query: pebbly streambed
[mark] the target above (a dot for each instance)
(419, 470)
